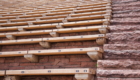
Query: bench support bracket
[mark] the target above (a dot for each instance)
(12, 78)
(94, 55)
(84, 77)
(21, 29)
(11, 37)
(45, 44)
(100, 41)
(54, 34)
(31, 57)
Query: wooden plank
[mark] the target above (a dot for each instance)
(59, 13)
(12, 53)
(86, 18)
(100, 3)
(29, 27)
(63, 30)
(89, 13)
(48, 21)
(79, 29)
(14, 24)
(28, 16)
(89, 7)
(22, 20)
(84, 22)
(51, 71)
(53, 17)
(91, 10)
(65, 51)
(54, 39)
(2, 72)
(74, 38)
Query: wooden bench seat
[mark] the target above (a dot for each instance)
(62, 10)
(51, 71)
(13, 24)
(27, 16)
(90, 13)
(3, 21)
(91, 10)
(12, 14)
(53, 17)
(2, 72)
(94, 53)
(64, 30)
(58, 13)
(100, 21)
(99, 3)
(22, 20)
(13, 53)
(89, 7)
(86, 17)
(11, 17)
(79, 73)
(56, 39)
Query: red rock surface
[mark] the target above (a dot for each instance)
(122, 52)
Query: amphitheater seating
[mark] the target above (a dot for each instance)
(72, 17)
(79, 73)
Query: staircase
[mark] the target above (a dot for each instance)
(121, 53)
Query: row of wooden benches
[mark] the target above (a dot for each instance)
(45, 42)
(94, 53)
(53, 25)
(103, 29)
(58, 15)
(36, 11)
(56, 19)
(68, 6)
(48, 7)
(79, 73)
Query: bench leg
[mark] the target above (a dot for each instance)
(100, 41)
(54, 34)
(31, 57)
(45, 44)
(21, 29)
(11, 37)
(84, 77)
(94, 55)
(103, 30)
(12, 78)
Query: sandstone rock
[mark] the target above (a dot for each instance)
(122, 54)
(128, 46)
(118, 73)
(119, 64)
